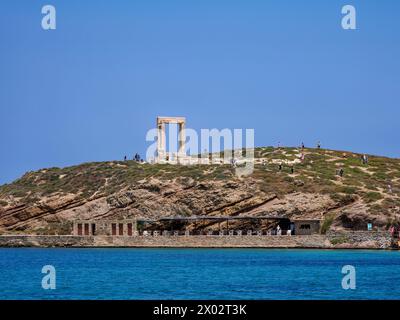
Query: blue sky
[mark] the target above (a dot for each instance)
(90, 90)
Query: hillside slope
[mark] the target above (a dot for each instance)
(48, 200)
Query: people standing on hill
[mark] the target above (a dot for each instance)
(280, 167)
(292, 169)
(136, 157)
(340, 172)
(302, 146)
(364, 159)
(319, 145)
(125, 158)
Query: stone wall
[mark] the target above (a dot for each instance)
(44, 241)
(359, 239)
(313, 241)
(306, 227)
(104, 227)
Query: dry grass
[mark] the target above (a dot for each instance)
(317, 174)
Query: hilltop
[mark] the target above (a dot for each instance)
(49, 200)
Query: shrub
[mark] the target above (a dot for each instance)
(326, 224)
(339, 240)
(372, 196)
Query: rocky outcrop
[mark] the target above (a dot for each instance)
(145, 200)
(49, 200)
(154, 200)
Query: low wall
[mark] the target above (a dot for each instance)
(360, 239)
(372, 240)
(44, 241)
(314, 241)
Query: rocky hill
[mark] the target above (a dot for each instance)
(48, 200)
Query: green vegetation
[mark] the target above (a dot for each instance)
(372, 196)
(339, 240)
(316, 174)
(326, 224)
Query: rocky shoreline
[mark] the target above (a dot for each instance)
(332, 240)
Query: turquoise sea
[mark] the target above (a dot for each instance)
(198, 274)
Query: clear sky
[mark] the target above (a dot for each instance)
(90, 90)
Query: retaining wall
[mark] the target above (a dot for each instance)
(360, 239)
(356, 239)
(314, 241)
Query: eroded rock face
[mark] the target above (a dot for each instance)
(154, 199)
(154, 196)
(210, 198)
(300, 205)
(356, 217)
(149, 199)
(48, 200)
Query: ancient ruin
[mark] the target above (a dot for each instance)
(163, 156)
(105, 227)
(181, 157)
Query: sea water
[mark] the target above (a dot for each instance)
(198, 273)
